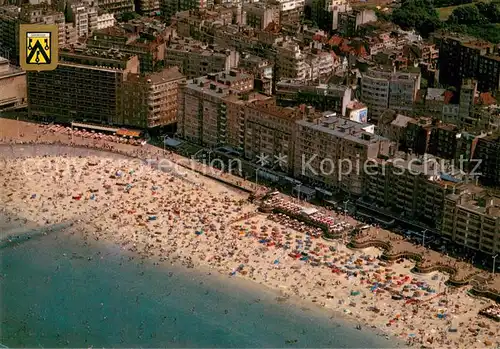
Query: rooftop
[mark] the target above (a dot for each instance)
(434, 168)
(7, 69)
(165, 75)
(195, 46)
(401, 120)
(435, 94)
(353, 105)
(218, 84)
(270, 107)
(94, 54)
(478, 199)
(343, 128)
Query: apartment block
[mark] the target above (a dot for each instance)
(488, 152)
(469, 58)
(408, 187)
(201, 23)
(472, 219)
(260, 14)
(71, 36)
(262, 69)
(12, 86)
(433, 103)
(88, 86)
(147, 7)
(422, 53)
(195, 59)
(417, 135)
(170, 7)
(349, 22)
(105, 20)
(466, 150)
(202, 113)
(443, 141)
(149, 48)
(331, 152)
(84, 18)
(12, 16)
(163, 96)
(295, 63)
(269, 132)
(325, 13)
(393, 126)
(383, 89)
(116, 7)
(291, 10)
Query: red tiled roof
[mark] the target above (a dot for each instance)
(318, 37)
(335, 40)
(485, 98)
(361, 51)
(448, 95)
(345, 47)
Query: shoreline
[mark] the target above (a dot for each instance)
(311, 273)
(204, 270)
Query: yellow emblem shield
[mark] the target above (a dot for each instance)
(39, 47)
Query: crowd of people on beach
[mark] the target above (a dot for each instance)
(199, 223)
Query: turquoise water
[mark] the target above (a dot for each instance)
(56, 292)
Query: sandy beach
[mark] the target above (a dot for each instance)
(198, 222)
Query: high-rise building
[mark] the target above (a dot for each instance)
(291, 10)
(472, 219)
(170, 7)
(105, 20)
(116, 7)
(88, 86)
(195, 59)
(443, 141)
(331, 152)
(383, 89)
(12, 16)
(163, 96)
(262, 69)
(260, 14)
(202, 112)
(468, 58)
(84, 18)
(321, 96)
(269, 133)
(409, 187)
(488, 152)
(295, 63)
(149, 48)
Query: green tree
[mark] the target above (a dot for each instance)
(490, 10)
(467, 15)
(417, 14)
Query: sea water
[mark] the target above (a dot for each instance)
(57, 292)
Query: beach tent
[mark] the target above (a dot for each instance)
(309, 211)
